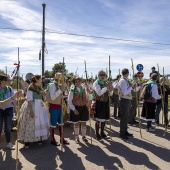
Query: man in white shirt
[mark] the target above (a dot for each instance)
(125, 89)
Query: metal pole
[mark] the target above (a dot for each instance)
(43, 39)
(137, 101)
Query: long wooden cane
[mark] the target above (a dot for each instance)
(88, 104)
(62, 107)
(161, 95)
(166, 126)
(110, 101)
(137, 102)
(18, 112)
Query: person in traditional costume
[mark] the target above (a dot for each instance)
(125, 88)
(165, 90)
(79, 114)
(34, 123)
(91, 83)
(54, 98)
(135, 97)
(88, 85)
(101, 92)
(116, 97)
(26, 86)
(149, 105)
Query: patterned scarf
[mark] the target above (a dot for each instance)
(2, 94)
(49, 84)
(75, 91)
(101, 82)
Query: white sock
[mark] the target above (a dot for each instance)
(83, 131)
(76, 130)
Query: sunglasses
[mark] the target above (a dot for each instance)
(102, 75)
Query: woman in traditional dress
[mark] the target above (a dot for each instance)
(101, 92)
(34, 124)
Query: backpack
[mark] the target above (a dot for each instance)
(146, 93)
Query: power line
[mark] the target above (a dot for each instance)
(88, 36)
(108, 38)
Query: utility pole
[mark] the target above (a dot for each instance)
(43, 39)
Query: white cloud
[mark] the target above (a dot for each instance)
(131, 25)
(17, 14)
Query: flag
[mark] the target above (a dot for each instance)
(14, 72)
(16, 69)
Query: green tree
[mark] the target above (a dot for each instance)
(70, 76)
(2, 72)
(58, 67)
(14, 82)
(48, 74)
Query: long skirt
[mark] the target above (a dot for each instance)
(148, 111)
(34, 129)
(102, 111)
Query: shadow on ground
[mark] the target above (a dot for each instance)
(97, 156)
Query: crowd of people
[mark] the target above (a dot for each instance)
(42, 110)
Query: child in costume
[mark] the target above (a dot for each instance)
(79, 114)
(54, 99)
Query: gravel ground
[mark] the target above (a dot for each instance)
(152, 151)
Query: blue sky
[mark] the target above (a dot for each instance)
(139, 20)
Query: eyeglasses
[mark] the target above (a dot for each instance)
(102, 74)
